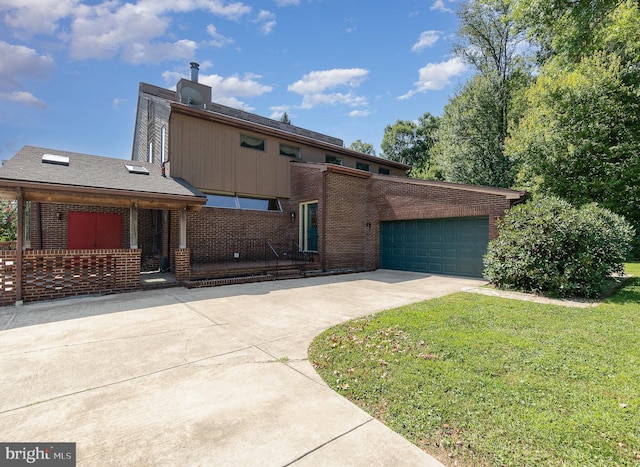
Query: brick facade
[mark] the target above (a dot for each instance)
(51, 274)
(215, 234)
(352, 205)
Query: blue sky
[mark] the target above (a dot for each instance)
(70, 69)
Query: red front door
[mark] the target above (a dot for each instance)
(93, 230)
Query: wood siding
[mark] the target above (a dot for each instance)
(209, 156)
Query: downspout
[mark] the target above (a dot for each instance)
(323, 256)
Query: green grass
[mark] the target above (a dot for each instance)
(477, 380)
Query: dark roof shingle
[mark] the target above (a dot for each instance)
(92, 172)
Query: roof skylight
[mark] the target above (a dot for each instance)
(55, 159)
(137, 169)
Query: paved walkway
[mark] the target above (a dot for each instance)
(215, 376)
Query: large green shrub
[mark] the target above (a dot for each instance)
(547, 245)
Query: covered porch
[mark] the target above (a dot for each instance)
(90, 244)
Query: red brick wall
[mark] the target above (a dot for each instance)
(348, 229)
(355, 206)
(51, 274)
(7, 277)
(183, 265)
(214, 234)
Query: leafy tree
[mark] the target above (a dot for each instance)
(476, 121)
(285, 119)
(8, 220)
(362, 147)
(410, 142)
(580, 138)
(470, 146)
(547, 245)
(490, 41)
(570, 29)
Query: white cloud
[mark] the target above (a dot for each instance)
(102, 31)
(36, 16)
(287, 2)
(436, 76)
(309, 101)
(20, 62)
(138, 31)
(427, 39)
(219, 40)
(267, 20)
(318, 81)
(227, 90)
(23, 97)
(359, 113)
(313, 87)
(117, 102)
(233, 10)
(277, 111)
(158, 52)
(439, 5)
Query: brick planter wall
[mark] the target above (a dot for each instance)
(51, 274)
(7, 277)
(183, 264)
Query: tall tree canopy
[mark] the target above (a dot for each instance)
(580, 136)
(476, 121)
(360, 146)
(410, 142)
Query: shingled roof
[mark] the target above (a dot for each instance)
(34, 168)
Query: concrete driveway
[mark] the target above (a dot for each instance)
(215, 376)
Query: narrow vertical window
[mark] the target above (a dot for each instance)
(163, 143)
(150, 159)
(308, 233)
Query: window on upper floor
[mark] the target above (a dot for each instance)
(289, 151)
(329, 159)
(363, 166)
(253, 142)
(383, 171)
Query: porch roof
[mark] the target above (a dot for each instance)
(91, 179)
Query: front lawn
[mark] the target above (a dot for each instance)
(478, 380)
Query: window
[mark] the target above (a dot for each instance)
(238, 202)
(383, 171)
(332, 159)
(163, 143)
(220, 201)
(308, 232)
(150, 158)
(252, 142)
(362, 166)
(289, 151)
